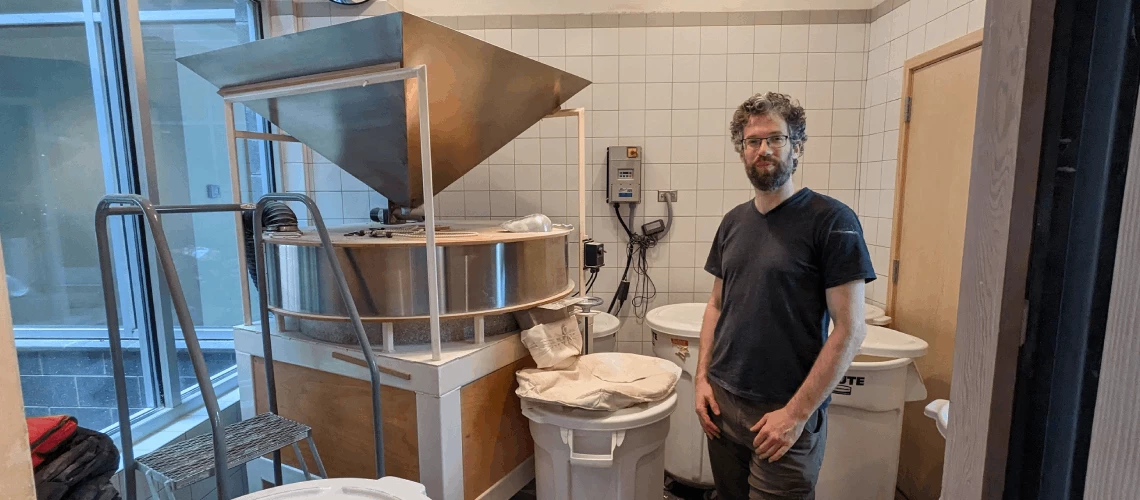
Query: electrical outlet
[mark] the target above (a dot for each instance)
(663, 196)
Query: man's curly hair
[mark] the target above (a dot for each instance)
(773, 103)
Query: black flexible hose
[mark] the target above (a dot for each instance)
(277, 214)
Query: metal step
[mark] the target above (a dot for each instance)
(184, 463)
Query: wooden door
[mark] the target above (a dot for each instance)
(933, 182)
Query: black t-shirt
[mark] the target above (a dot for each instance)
(776, 267)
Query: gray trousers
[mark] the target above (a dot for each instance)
(739, 474)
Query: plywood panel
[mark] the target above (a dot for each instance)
(496, 435)
(999, 223)
(339, 409)
(929, 229)
(15, 462)
(1114, 449)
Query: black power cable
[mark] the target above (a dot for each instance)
(590, 282)
(644, 290)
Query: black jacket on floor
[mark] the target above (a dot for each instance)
(81, 471)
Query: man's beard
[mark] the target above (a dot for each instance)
(769, 181)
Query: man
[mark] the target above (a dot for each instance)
(786, 263)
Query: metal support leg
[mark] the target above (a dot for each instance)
(266, 338)
(317, 458)
(301, 460)
(126, 441)
(389, 337)
(429, 212)
(480, 329)
(157, 490)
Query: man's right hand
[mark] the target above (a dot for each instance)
(706, 404)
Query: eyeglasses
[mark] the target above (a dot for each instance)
(774, 142)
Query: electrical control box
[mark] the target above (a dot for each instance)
(594, 254)
(623, 174)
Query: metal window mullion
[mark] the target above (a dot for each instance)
(160, 344)
(126, 235)
(151, 16)
(111, 167)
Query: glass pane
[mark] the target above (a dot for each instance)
(194, 166)
(73, 7)
(56, 168)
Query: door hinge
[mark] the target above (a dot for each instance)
(895, 272)
(906, 113)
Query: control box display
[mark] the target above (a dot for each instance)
(623, 174)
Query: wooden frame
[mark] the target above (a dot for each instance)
(16, 469)
(945, 51)
(452, 425)
(995, 262)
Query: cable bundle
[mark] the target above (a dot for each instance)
(637, 249)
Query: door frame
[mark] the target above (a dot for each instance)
(999, 233)
(938, 54)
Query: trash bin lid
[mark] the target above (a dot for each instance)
(682, 320)
(605, 324)
(871, 311)
(889, 343)
(875, 315)
(386, 488)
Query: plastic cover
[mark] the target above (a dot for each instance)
(888, 343)
(681, 320)
(387, 488)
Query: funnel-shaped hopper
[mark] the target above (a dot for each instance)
(480, 97)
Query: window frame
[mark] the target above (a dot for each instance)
(119, 84)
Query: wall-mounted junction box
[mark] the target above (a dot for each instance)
(623, 174)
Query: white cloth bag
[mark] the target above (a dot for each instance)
(554, 345)
(602, 381)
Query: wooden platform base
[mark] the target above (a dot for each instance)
(466, 444)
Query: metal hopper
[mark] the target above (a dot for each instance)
(481, 97)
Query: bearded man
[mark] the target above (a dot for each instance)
(787, 263)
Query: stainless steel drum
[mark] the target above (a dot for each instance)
(483, 271)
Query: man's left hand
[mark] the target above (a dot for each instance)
(776, 432)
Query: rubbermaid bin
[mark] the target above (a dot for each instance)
(387, 488)
(604, 331)
(875, 315)
(865, 418)
(592, 455)
(676, 337)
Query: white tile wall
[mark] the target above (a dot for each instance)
(913, 28)
(672, 90)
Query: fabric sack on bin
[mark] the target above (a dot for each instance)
(555, 344)
(603, 381)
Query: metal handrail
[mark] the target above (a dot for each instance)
(349, 303)
(137, 205)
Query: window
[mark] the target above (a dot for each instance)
(67, 112)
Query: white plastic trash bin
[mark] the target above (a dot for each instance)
(604, 331)
(676, 337)
(861, 457)
(875, 315)
(588, 455)
(939, 410)
(387, 488)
